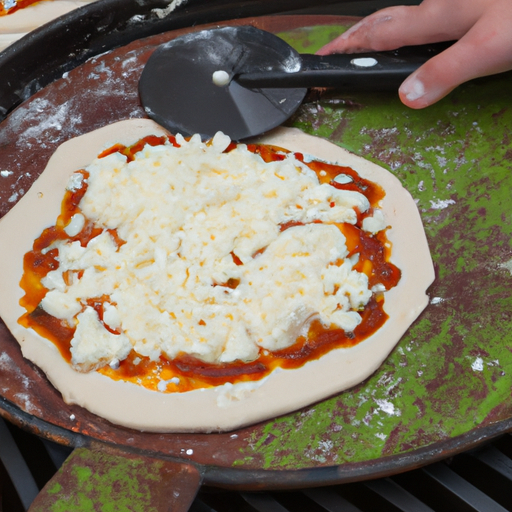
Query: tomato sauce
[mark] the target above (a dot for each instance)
(186, 372)
(20, 4)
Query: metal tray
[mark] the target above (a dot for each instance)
(446, 387)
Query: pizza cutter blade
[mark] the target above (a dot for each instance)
(178, 92)
(244, 81)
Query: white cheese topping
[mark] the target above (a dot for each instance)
(75, 181)
(205, 269)
(375, 223)
(75, 225)
(93, 346)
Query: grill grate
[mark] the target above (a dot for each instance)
(475, 481)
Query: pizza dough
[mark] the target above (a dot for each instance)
(18, 24)
(229, 406)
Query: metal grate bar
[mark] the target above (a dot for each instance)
(495, 459)
(16, 467)
(57, 453)
(396, 495)
(199, 506)
(462, 489)
(263, 502)
(330, 500)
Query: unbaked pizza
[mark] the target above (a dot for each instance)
(210, 284)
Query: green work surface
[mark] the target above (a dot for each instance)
(452, 372)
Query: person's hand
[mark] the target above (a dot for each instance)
(484, 47)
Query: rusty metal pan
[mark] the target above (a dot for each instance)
(445, 388)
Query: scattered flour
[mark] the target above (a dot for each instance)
(441, 204)
(507, 265)
(387, 407)
(5, 362)
(28, 406)
(162, 13)
(478, 365)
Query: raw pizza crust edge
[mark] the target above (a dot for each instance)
(18, 24)
(229, 406)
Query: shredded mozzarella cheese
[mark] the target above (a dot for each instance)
(189, 217)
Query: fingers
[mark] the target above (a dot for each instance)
(484, 50)
(434, 80)
(397, 26)
(484, 46)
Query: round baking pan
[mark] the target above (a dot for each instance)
(48, 52)
(445, 388)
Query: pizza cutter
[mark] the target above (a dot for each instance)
(244, 81)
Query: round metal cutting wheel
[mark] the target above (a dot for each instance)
(189, 84)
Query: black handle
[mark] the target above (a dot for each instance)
(361, 71)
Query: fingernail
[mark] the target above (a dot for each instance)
(412, 89)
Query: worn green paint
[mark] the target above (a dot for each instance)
(55, 488)
(97, 481)
(452, 371)
(311, 39)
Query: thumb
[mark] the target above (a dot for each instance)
(432, 81)
(484, 50)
